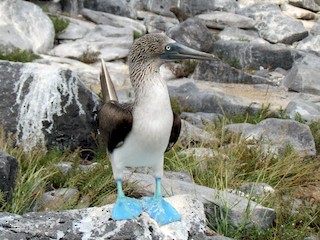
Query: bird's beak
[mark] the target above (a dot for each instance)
(176, 51)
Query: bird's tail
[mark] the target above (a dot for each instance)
(107, 87)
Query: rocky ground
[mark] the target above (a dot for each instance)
(269, 53)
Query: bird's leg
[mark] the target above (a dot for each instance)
(159, 209)
(125, 208)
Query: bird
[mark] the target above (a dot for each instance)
(138, 134)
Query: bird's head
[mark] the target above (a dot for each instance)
(155, 49)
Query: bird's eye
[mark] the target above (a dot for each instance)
(168, 47)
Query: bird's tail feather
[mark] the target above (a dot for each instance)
(107, 87)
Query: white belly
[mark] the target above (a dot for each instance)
(146, 143)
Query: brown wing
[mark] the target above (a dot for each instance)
(175, 131)
(115, 122)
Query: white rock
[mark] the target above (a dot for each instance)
(24, 25)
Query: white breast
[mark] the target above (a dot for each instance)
(149, 137)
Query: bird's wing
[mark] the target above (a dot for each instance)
(115, 122)
(175, 131)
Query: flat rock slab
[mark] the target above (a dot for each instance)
(96, 223)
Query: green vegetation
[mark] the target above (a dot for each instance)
(18, 55)
(59, 24)
(88, 56)
(236, 162)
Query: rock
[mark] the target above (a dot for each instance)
(103, 41)
(304, 75)
(309, 111)
(49, 6)
(257, 190)
(192, 33)
(64, 167)
(199, 119)
(232, 33)
(315, 29)
(201, 155)
(297, 12)
(24, 25)
(55, 199)
(254, 55)
(211, 100)
(277, 134)
(307, 4)
(310, 43)
(182, 176)
(218, 71)
(113, 20)
(158, 23)
(73, 7)
(190, 134)
(273, 25)
(116, 7)
(96, 223)
(46, 105)
(237, 208)
(8, 174)
(248, 3)
(220, 20)
(76, 29)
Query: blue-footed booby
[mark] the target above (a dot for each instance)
(138, 134)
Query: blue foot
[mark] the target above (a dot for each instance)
(126, 208)
(160, 210)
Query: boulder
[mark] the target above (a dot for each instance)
(8, 174)
(308, 111)
(315, 30)
(218, 71)
(232, 33)
(158, 23)
(73, 7)
(46, 105)
(199, 119)
(310, 43)
(297, 12)
(277, 134)
(304, 76)
(273, 25)
(257, 190)
(238, 210)
(117, 7)
(96, 223)
(192, 33)
(255, 55)
(211, 100)
(307, 4)
(113, 20)
(25, 26)
(220, 20)
(103, 41)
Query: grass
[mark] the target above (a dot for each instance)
(59, 24)
(236, 162)
(18, 55)
(88, 56)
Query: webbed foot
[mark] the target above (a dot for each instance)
(126, 208)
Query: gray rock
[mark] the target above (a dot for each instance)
(273, 25)
(107, 41)
(96, 223)
(199, 119)
(309, 111)
(8, 174)
(297, 12)
(76, 29)
(158, 23)
(258, 190)
(237, 208)
(45, 105)
(117, 7)
(304, 75)
(182, 176)
(55, 199)
(192, 33)
(24, 25)
(307, 4)
(232, 33)
(213, 100)
(254, 55)
(73, 7)
(277, 134)
(113, 20)
(64, 167)
(310, 43)
(190, 134)
(201, 155)
(218, 71)
(315, 30)
(220, 20)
